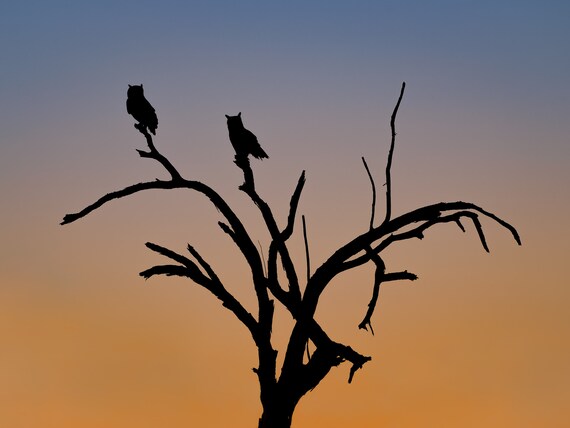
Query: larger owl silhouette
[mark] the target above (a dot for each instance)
(139, 107)
(243, 140)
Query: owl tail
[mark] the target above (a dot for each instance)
(259, 153)
(256, 151)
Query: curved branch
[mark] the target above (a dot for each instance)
(418, 232)
(343, 258)
(245, 244)
(127, 191)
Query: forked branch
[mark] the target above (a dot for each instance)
(187, 268)
(155, 154)
(278, 246)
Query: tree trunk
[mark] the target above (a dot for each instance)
(278, 417)
(278, 412)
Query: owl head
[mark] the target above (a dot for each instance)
(234, 120)
(135, 90)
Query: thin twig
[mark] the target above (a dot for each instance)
(372, 213)
(262, 258)
(390, 155)
(307, 255)
(288, 231)
(168, 270)
(378, 278)
(207, 268)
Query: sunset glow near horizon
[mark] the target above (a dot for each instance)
(479, 340)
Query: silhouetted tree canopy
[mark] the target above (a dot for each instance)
(302, 370)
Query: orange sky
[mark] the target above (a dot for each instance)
(480, 340)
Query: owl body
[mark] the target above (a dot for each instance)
(139, 107)
(243, 140)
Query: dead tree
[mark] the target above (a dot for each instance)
(281, 390)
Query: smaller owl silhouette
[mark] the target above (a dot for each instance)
(139, 107)
(243, 140)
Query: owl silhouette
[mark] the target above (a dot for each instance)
(243, 140)
(139, 107)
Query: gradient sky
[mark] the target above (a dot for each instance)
(481, 340)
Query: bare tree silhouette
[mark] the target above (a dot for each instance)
(301, 371)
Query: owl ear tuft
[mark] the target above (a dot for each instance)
(239, 114)
(130, 86)
(227, 117)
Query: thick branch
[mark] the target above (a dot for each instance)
(331, 352)
(336, 350)
(318, 368)
(260, 283)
